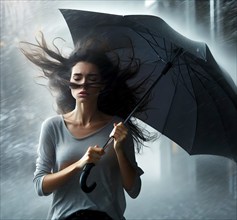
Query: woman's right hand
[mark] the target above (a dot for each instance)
(92, 155)
(53, 181)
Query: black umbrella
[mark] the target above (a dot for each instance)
(194, 104)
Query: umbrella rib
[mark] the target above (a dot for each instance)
(150, 44)
(197, 76)
(183, 80)
(176, 85)
(171, 103)
(165, 48)
(188, 67)
(203, 85)
(198, 73)
(156, 43)
(189, 73)
(171, 51)
(194, 70)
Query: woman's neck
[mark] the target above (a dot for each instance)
(83, 114)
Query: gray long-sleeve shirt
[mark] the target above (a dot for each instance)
(58, 148)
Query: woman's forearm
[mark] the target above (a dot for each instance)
(120, 133)
(53, 181)
(128, 173)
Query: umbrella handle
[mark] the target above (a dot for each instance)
(83, 178)
(87, 169)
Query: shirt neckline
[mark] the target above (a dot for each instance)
(89, 135)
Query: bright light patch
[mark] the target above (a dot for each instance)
(149, 3)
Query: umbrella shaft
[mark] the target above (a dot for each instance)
(164, 71)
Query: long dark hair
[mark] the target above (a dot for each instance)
(118, 96)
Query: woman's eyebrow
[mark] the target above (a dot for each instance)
(89, 74)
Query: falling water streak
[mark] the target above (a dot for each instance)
(212, 20)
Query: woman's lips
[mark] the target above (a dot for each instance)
(83, 94)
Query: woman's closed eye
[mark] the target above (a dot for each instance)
(91, 78)
(77, 77)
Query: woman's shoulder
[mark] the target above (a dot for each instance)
(56, 119)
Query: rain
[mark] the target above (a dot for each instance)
(175, 185)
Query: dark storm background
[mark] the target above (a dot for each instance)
(175, 185)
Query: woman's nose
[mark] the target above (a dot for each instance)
(83, 80)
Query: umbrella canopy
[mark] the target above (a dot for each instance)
(195, 103)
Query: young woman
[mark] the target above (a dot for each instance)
(93, 99)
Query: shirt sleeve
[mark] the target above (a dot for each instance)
(130, 154)
(45, 156)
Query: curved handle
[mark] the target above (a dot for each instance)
(83, 178)
(86, 171)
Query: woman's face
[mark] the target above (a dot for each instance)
(85, 82)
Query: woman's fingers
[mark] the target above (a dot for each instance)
(119, 132)
(94, 154)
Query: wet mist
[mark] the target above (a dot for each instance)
(175, 185)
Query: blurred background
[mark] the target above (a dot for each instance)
(175, 185)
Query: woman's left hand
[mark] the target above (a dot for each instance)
(119, 133)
